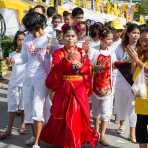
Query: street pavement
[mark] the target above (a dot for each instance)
(18, 141)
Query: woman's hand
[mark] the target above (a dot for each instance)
(77, 63)
(74, 56)
(85, 46)
(136, 59)
(133, 54)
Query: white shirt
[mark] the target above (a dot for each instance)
(115, 45)
(34, 54)
(95, 53)
(94, 44)
(18, 71)
(49, 29)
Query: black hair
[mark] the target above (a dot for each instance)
(51, 11)
(69, 28)
(130, 28)
(34, 21)
(128, 23)
(66, 13)
(42, 7)
(105, 32)
(140, 51)
(56, 17)
(77, 11)
(108, 25)
(30, 10)
(15, 38)
(143, 27)
(95, 29)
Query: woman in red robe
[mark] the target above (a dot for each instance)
(70, 81)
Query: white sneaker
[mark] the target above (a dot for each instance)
(35, 146)
(30, 141)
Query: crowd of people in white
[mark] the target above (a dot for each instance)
(115, 52)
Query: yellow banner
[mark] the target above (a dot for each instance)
(78, 3)
(141, 19)
(85, 3)
(62, 2)
(97, 5)
(116, 12)
(124, 7)
(51, 3)
(109, 8)
(137, 8)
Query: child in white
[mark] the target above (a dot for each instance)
(102, 98)
(15, 86)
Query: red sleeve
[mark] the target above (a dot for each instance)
(57, 56)
(54, 77)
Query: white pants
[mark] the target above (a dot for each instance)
(15, 98)
(34, 93)
(123, 104)
(102, 108)
(47, 107)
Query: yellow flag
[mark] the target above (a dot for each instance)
(137, 8)
(124, 7)
(60, 10)
(97, 5)
(109, 8)
(78, 3)
(62, 2)
(85, 3)
(116, 12)
(141, 20)
(51, 3)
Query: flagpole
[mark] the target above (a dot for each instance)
(56, 3)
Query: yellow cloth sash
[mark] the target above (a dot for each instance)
(72, 77)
